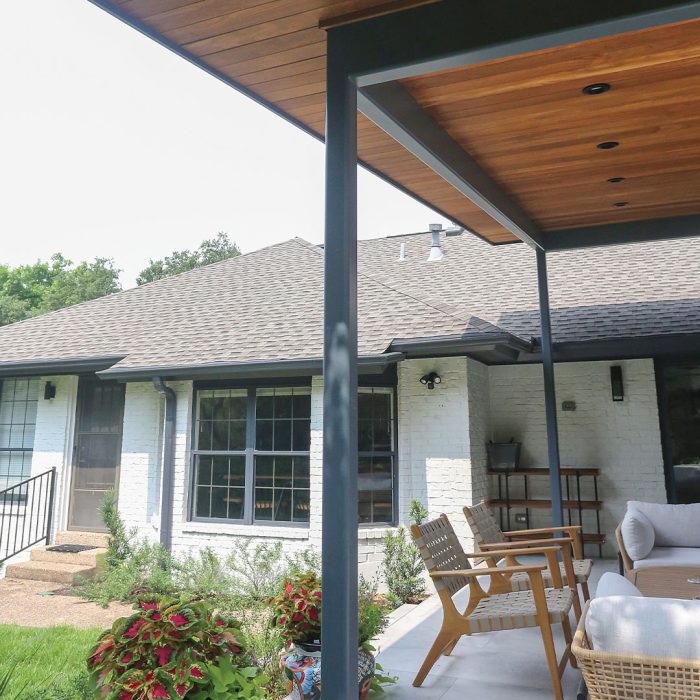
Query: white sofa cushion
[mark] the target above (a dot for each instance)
(661, 627)
(614, 584)
(670, 556)
(637, 534)
(675, 525)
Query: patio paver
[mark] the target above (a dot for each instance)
(502, 665)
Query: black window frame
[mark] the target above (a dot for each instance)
(5, 478)
(250, 452)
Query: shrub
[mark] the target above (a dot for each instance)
(202, 574)
(372, 618)
(403, 568)
(172, 649)
(119, 548)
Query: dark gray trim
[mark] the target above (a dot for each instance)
(269, 369)
(550, 397)
(340, 363)
(460, 344)
(391, 107)
(665, 428)
(455, 33)
(624, 233)
(168, 471)
(180, 51)
(69, 365)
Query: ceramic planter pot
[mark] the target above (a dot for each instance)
(303, 668)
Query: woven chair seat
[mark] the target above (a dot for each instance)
(517, 610)
(582, 570)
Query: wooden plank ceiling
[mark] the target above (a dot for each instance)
(524, 119)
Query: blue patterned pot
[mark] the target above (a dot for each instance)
(302, 665)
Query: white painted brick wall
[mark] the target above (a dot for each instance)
(621, 438)
(141, 459)
(435, 437)
(53, 440)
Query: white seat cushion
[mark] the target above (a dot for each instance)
(670, 556)
(675, 525)
(614, 584)
(660, 627)
(637, 534)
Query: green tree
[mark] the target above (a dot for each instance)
(210, 251)
(28, 290)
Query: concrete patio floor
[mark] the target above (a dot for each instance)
(494, 666)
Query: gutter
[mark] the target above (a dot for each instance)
(168, 480)
(367, 364)
(459, 344)
(70, 365)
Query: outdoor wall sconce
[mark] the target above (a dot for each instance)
(49, 391)
(430, 380)
(618, 389)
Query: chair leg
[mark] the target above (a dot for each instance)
(576, 602)
(443, 640)
(566, 626)
(451, 646)
(584, 590)
(551, 653)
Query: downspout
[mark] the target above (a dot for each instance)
(166, 499)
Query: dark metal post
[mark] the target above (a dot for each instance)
(550, 399)
(339, 632)
(52, 497)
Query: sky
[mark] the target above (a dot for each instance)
(112, 146)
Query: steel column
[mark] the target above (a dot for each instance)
(550, 398)
(339, 632)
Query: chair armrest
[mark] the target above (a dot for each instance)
(486, 548)
(471, 573)
(511, 552)
(542, 531)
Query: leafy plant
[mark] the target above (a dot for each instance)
(202, 574)
(164, 650)
(296, 610)
(224, 680)
(372, 618)
(403, 568)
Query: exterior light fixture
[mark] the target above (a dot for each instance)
(616, 384)
(615, 180)
(607, 145)
(49, 391)
(430, 380)
(596, 88)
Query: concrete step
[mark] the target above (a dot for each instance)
(97, 539)
(86, 558)
(49, 571)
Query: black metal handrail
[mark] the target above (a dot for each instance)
(26, 513)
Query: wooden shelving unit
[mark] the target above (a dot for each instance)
(574, 504)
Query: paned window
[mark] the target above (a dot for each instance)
(18, 406)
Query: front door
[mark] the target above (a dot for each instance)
(97, 451)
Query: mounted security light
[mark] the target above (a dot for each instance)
(430, 380)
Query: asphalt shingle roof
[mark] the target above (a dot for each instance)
(268, 304)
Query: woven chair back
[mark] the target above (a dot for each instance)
(441, 551)
(484, 526)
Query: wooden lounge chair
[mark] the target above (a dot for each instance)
(489, 536)
(499, 607)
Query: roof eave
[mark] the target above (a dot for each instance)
(53, 367)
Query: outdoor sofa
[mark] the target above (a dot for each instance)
(628, 646)
(659, 535)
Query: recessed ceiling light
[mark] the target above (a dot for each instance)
(596, 88)
(616, 179)
(607, 145)
(620, 204)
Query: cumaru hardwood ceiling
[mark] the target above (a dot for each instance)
(524, 119)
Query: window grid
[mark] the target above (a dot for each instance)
(260, 488)
(376, 455)
(18, 408)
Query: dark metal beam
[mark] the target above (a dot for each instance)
(455, 33)
(339, 630)
(391, 107)
(620, 234)
(550, 398)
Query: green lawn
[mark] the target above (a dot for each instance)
(45, 663)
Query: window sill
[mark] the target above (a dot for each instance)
(287, 533)
(374, 532)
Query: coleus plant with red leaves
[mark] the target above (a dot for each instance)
(297, 609)
(163, 650)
